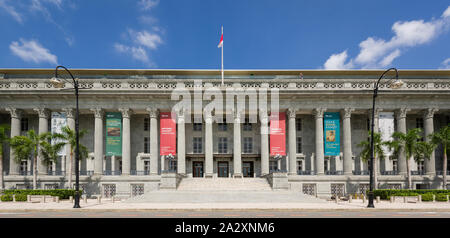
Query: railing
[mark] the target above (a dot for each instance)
(419, 172)
(365, 172)
(140, 173)
(440, 172)
(394, 172)
(305, 172)
(86, 173)
(25, 173)
(334, 172)
(112, 172)
(56, 173)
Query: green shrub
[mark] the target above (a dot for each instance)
(6, 198)
(427, 197)
(387, 193)
(61, 193)
(21, 197)
(441, 197)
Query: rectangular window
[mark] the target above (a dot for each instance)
(223, 145)
(420, 165)
(146, 145)
(298, 124)
(299, 145)
(248, 145)
(273, 166)
(222, 126)
(146, 124)
(137, 189)
(147, 166)
(24, 124)
(197, 145)
(394, 165)
(300, 165)
(23, 167)
(173, 165)
(197, 126)
(419, 122)
(247, 125)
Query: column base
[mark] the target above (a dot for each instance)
(238, 176)
(209, 175)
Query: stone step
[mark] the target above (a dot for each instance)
(218, 184)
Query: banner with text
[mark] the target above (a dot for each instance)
(332, 133)
(59, 120)
(168, 134)
(113, 133)
(278, 134)
(386, 128)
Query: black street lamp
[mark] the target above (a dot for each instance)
(394, 84)
(58, 83)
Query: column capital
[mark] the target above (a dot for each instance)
(15, 113)
(153, 112)
(348, 112)
(98, 112)
(126, 112)
(318, 112)
(401, 113)
(377, 112)
(291, 112)
(429, 113)
(70, 112)
(42, 112)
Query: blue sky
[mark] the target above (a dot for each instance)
(258, 34)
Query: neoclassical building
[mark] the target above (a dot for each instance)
(122, 113)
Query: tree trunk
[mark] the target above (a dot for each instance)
(444, 169)
(408, 172)
(70, 169)
(35, 173)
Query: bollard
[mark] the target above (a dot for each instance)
(71, 199)
(112, 199)
(336, 198)
(405, 200)
(350, 199)
(448, 200)
(14, 198)
(434, 198)
(378, 199)
(392, 199)
(364, 199)
(43, 199)
(419, 198)
(85, 198)
(57, 199)
(28, 198)
(99, 199)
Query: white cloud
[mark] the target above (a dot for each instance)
(148, 4)
(445, 64)
(149, 40)
(137, 53)
(376, 53)
(337, 61)
(11, 11)
(32, 51)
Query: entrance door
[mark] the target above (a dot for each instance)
(247, 169)
(222, 169)
(197, 169)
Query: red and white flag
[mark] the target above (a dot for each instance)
(221, 42)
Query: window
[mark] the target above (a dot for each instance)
(248, 145)
(147, 166)
(273, 166)
(325, 165)
(247, 125)
(299, 145)
(420, 165)
(298, 124)
(173, 165)
(300, 165)
(394, 165)
(197, 126)
(137, 189)
(223, 145)
(197, 145)
(419, 122)
(222, 126)
(24, 124)
(23, 167)
(146, 124)
(146, 145)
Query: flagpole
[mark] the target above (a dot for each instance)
(222, 57)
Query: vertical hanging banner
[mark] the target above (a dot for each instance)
(386, 129)
(113, 133)
(332, 133)
(278, 134)
(168, 134)
(59, 120)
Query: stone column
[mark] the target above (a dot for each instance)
(237, 161)
(291, 112)
(318, 113)
(181, 144)
(376, 128)
(43, 128)
(264, 143)
(113, 163)
(208, 146)
(154, 150)
(430, 164)
(16, 115)
(347, 129)
(126, 141)
(98, 141)
(401, 127)
(70, 114)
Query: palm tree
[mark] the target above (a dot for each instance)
(69, 136)
(424, 150)
(410, 143)
(377, 150)
(50, 149)
(4, 128)
(442, 137)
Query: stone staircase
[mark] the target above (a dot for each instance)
(224, 184)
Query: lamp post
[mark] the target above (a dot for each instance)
(58, 83)
(394, 84)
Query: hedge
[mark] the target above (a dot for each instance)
(441, 197)
(61, 193)
(385, 194)
(9, 198)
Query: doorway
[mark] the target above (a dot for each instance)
(197, 169)
(222, 168)
(247, 169)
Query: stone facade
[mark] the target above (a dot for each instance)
(240, 149)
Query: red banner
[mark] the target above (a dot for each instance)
(168, 134)
(278, 134)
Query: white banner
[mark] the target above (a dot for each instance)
(59, 120)
(386, 128)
